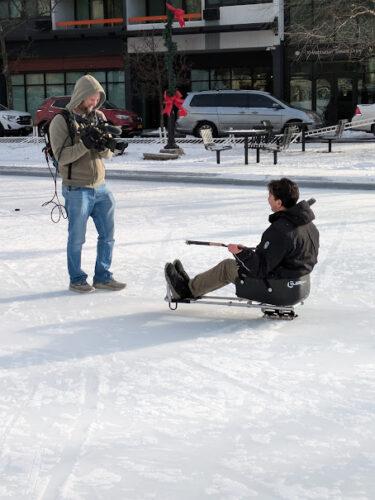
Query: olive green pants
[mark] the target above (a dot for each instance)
(222, 274)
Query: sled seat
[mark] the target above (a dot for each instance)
(277, 292)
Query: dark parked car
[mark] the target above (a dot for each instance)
(130, 123)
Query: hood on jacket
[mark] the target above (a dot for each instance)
(298, 215)
(84, 87)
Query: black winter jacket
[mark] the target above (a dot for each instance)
(288, 249)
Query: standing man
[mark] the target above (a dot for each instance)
(80, 158)
(288, 248)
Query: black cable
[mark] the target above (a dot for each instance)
(55, 200)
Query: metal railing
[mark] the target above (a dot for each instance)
(89, 22)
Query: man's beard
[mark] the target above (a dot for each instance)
(85, 109)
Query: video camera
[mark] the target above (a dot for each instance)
(101, 135)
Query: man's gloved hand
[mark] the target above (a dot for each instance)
(92, 138)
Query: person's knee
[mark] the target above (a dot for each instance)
(230, 269)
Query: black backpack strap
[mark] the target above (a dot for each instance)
(72, 133)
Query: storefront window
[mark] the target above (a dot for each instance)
(301, 92)
(44, 7)
(99, 75)
(323, 95)
(53, 90)
(19, 102)
(35, 95)
(116, 94)
(73, 76)
(53, 78)
(30, 90)
(257, 78)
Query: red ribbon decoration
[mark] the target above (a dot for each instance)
(178, 14)
(174, 100)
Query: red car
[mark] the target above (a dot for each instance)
(130, 122)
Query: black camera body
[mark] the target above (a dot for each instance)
(100, 135)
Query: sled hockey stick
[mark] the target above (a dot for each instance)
(310, 201)
(208, 243)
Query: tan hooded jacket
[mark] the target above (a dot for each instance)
(87, 166)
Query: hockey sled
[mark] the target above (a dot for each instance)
(277, 299)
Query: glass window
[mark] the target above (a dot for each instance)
(69, 89)
(242, 85)
(35, 79)
(204, 100)
(300, 92)
(323, 95)
(116, 94)
(155, 7)
(15, 8)
(55, 78)
(261, 101)
(4, 9)
(220, 74)
(97, 9)
(233, 99)
(220, 85)
(52, 90)
(18, 80)
(99, 75)
(192, 6)
(19, 98)
(260, 79)
(82, 9)
(241, 73)
(35, 96)
(197, 86)
(72, 76)
(113, 8)
(115, 76)
(200, 74)
(44, 7)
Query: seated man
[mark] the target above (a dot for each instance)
(288, 249)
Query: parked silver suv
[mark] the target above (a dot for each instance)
(239, 109)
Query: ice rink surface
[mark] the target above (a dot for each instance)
(113, 396)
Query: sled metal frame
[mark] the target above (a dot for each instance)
(268, 310)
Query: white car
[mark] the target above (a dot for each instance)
(365, 112)
(14, 122)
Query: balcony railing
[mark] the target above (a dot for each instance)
(89, 22)
(195, 16)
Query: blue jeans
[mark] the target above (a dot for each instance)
(80, 204)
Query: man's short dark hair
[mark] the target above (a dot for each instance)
(285, 190)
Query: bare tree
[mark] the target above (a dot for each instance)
(323, 29)
(145, 58)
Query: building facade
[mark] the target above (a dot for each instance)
(336, 73)
(228, 44)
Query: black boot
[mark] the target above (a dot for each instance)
(179, 287)
(180, 269)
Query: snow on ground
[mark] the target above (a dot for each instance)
(349, 162)
(113, 396)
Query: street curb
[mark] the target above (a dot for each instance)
(193, 178)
